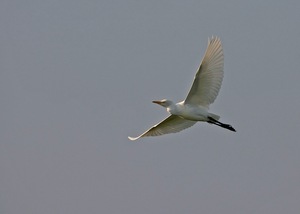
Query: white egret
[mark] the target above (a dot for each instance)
(194, 108)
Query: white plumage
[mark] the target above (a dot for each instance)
(205, 88)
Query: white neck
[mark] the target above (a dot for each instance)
(173, 109)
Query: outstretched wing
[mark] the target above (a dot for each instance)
(209, 76)
(171, 124)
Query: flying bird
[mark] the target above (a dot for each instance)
(204, 90)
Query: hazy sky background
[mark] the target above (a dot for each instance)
(78, 77)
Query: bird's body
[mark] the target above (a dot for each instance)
(189, 112)
(203, 92)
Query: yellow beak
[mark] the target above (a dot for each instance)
(157, 102)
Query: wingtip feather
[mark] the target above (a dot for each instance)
(133, 138)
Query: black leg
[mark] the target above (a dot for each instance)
(223, 125)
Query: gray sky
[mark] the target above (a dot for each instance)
(78, 77)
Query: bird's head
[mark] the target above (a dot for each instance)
(164, 103)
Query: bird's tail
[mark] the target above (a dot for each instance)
(214, 116)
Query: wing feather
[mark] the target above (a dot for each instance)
(171, 124)
(208, 79)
